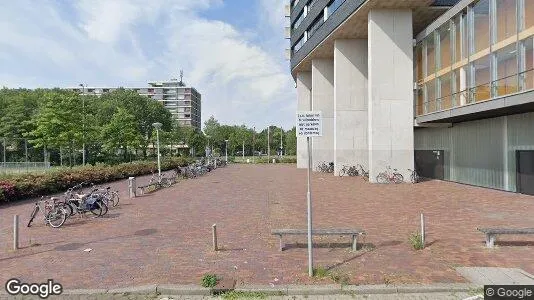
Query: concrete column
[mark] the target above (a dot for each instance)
(391, 141)
(304, 88)
(350, 103)
(323, 100)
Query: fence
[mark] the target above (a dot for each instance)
(18, 155)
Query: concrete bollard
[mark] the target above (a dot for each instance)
(214, 232)
(423, 230)
(274, 160)
(131, 187)
(248, 161)
(15, 232)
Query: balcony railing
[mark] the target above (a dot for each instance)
(523, 81)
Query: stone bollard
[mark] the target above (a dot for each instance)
(131, 187)
(214, 236)
(274, 160)
(15, 232)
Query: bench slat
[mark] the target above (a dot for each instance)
(316, 231)
(506, 230)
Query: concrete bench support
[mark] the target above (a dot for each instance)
(491, 233)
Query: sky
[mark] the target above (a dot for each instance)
(231, 51)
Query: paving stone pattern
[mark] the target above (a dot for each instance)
(165, 237)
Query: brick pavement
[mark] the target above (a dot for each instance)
(165, 237)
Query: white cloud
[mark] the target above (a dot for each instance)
(241, 81)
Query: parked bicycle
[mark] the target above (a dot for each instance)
(54, 214)
(414, 177)
(362, 172)
(326, 167)
(80, 203)
(348, 171)
(390, 176)
(163, 181)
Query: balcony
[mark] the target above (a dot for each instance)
(477, 103)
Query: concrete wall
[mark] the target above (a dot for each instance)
(390, 91)
(304, 88)
(350, 103)
(323, 100)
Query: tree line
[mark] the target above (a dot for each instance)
(56, 124)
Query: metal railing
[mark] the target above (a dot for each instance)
(523, 81)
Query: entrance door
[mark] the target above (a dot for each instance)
(430, 163)
(525, 171)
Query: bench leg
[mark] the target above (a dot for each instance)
(355, 242)
(281, 243)
(490, 240)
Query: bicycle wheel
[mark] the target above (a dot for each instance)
(68, 209)
(382, 178)
(114, 199)
(165, 182)
(96, 209)
(104, 208)
(342, 172)
(412, 178)
(398, 178)
(57, 217)
(32, 216)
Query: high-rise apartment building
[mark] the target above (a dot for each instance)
(442, 86)
(184, 102)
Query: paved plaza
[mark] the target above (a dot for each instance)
(165, 237)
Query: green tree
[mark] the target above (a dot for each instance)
(121, 133)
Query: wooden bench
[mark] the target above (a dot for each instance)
(354, 233)
(491, 233)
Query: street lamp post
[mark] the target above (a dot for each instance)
(158, 126)
(281, 142)
(83, 122)
(208, 151)
(226, 150)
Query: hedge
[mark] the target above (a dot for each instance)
(17, 187)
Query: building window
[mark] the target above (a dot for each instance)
(333, 6)
(529, 14)
(481, 89)
(316, 24)
(481, 26)
(444, 46)
(527, 65)
(430, 96)
(105, 90)
(459, 38)
(506, 22)
(445, 88)
(298, 44)
(506, 71)
(298, 20)
(459, 88)
(419, 63)
(430, 55)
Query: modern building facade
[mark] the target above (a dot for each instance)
(445, 87)
(184, 102)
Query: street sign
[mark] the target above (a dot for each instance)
(309, 123)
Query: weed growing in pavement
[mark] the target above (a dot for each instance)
(243, 295)
(209, 280)
(416, 241)
(320, 272)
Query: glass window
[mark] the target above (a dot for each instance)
(457, 28)
(419, 62)
(315, 25)
(481, 18)
(430, 55)
(420, 98)
(333, 6)
(506, 82)
(527, 64)
(459, 88)
(482, 78)
(529, 14)
(298, 20)
(506, 19)
(298, 44)
(445, 46)
(445, 92)
(430, 88)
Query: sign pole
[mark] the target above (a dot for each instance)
(308, 196)
(309, 124)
